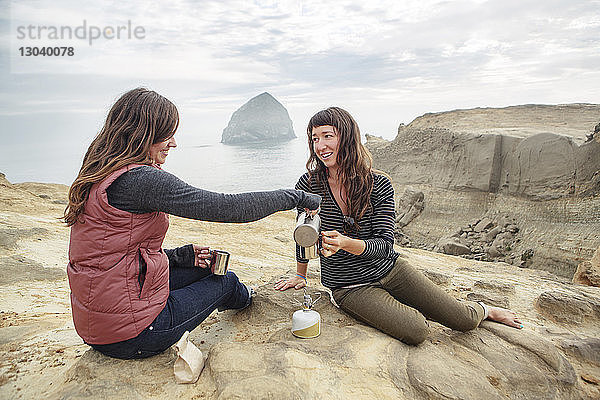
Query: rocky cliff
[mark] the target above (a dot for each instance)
(535, 164)
(540, 155)
(261, 119)
(253, 355)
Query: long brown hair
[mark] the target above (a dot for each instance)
(137, 120)
(355, 163)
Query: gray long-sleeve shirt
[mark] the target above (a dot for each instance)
(148, 189)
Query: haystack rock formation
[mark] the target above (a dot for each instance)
(535, 164)
(261, 119)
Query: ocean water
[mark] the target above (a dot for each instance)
(207, 164)
(235, 169)
(50, 148)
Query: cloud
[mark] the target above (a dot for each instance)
(409, 56)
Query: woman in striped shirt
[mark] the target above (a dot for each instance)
(368, 279)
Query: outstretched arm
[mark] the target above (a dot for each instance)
(148, 189)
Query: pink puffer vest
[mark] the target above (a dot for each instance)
(104, 266)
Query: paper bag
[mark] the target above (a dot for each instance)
(189, 362)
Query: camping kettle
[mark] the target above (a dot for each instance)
(307, 235)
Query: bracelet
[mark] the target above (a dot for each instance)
(301, 276)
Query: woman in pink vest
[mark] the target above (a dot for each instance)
(130, 298)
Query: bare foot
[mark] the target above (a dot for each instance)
(504, 316)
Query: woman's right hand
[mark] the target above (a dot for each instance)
(295, 282)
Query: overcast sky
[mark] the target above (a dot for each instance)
(387, 62)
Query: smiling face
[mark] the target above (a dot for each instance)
(325, 140)
(159, 151)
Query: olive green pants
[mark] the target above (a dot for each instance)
(398, 304)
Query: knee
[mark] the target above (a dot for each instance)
(410, 331)
(416, 335)
(231, 279)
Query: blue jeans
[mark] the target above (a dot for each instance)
(194, 294)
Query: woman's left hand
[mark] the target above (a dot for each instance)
(202, 256)
(332, 242)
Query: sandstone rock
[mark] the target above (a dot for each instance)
(493, 251)
(453, 247)
(554, 377)
(3, 180)
(543, 166)
(500, 244)
(410, 205)
(490, 299)
(526, 258)
(96, 376)
(480, 233)
(542, 348)
(496, 286)
(425, 370)
(504, 220)
(348, 360)
(506, 237)
(592, 135)
(492, 234)
(282, 238)
(596, 258)
(483, 225)
(535, 164)
(400, 238)
(261, 119)
(588, 272)
(463, 161)
(569, 307)
(375, 141)
(10, 237)
(458, 233)
(585, 349)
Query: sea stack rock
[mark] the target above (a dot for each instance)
(261, 119)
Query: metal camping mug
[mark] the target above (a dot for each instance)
(219, 262)
(309, 252)
(307, 235)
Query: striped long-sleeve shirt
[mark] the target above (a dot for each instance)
(376, 229)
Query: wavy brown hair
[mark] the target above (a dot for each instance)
(355, 171)
(137, 120)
